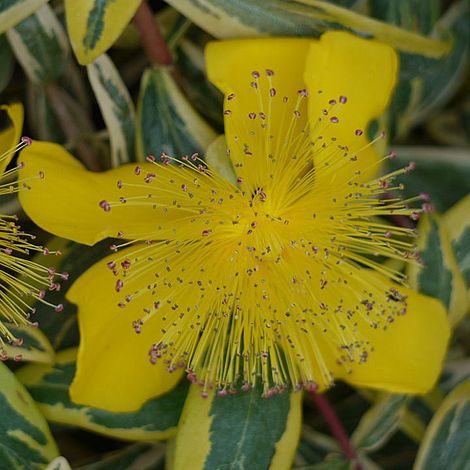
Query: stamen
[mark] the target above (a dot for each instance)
(20, 278)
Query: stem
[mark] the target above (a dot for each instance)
(152, 39)
(70, 128)
(335, 425)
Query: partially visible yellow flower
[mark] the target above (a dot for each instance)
(20, 278)
(271, 278)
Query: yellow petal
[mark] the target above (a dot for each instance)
(408, 356)
(10, 137)
(113, 367)
(363, 71)
(230, 65)
(65, 201)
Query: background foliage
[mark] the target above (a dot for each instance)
(90, 82)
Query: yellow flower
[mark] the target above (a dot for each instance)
(269, 277)
(20, 278)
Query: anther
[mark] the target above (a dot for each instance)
(126, 264)
(427, 208)
(105, 205)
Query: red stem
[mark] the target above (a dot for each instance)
(152, 39)
(335, 425)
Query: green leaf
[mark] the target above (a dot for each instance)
(117, 108)
(244, 430)
(251, 18)
(14, 11)
(35, 346)
(40, 45)
(437, 170)
(439, 276)
(25, 439)
(49, 385)
(379, 423)
(140, 456)
(94, 25)
(7, 63)
(446, 443)
(166, 121)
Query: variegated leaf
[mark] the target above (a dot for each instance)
(425, 84)
(379, 423)
(40, 45)
(446, 443)
(6, 63)
(117, 108)
(249, 18)
(49, 385)
(94, 25)
(244, 430)
(204, 96)
(439, 275)
(139, 456)
(457, 223)
(14, 11)
(60, 463)
(166, 121)
(25, 439)
(413, 15)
